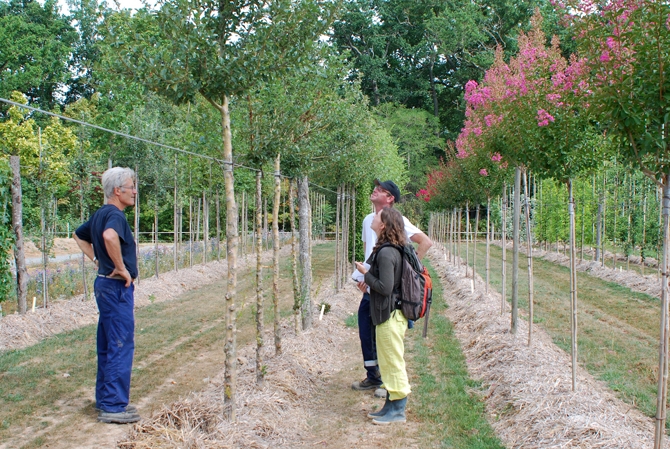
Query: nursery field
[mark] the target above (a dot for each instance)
(46, 389)
(618, 328)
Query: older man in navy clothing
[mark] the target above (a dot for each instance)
(107, 239)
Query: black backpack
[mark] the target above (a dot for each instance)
(416, 286)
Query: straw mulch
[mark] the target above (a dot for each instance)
(19, 331)
(528, 390)
(270, 415)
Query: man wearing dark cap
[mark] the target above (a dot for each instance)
(385, 194)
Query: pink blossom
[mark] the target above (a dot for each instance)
(558, 79)
(496, 157)
(543, 117)
(605, 57)
(553, 97)
(476, 97)
(490, 119)
(483, 172)
(610, 42)
(477, 131)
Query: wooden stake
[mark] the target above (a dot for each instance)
(573, 286)
(259, 282)
(529, 258)
(503, 237)
(515, 253)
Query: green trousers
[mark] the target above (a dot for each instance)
(390, 355)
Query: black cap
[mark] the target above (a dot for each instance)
(391, 187)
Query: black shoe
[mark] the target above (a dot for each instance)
(118, 418)
(366, 384)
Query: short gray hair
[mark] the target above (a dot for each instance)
(115, 177)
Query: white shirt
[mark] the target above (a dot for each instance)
(370, 238)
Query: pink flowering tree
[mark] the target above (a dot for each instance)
(627, 43)
(533, 112)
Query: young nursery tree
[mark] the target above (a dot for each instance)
(19, 141)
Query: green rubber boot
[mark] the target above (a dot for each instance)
(382, 411)
(395, 413)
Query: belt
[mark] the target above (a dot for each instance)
(117, 277)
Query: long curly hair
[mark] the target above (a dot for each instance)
(394, 228)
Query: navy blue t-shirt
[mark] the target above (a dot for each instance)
(109, 217)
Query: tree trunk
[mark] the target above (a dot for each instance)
(433, 91)
(338, 275)
(599, 228)
(45, 259)
(305, 262)
(474, 251)
(294, 257)
(246, 224)
(265, 224)
(515, 254)
(573, 285)
(488, 242)
(353, 227)
(83, 254)
(375, 92)
(243, 225)
(17, 224)
(581, 251)
(205, 226)
(503, 238)
(190, 232)
(644, 229)
(275, 255)
(156, 237)
(137, 222)
(218, 226)
(230, 377)
(452, 237)
(197, 221)
(259, 282)
(662, 390)
(347, 221)
(175, 224)
(529, 258)
(467, 238)
(604, 218)
(458, 248)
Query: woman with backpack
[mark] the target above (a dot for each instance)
(383, 278)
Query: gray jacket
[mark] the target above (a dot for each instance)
(383, 278)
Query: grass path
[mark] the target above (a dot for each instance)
(618, 328)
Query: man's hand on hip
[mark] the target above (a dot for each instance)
(124, 274)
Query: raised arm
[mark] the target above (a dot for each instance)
(424, 243)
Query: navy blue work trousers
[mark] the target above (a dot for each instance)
(366, 332)
(116, 343)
